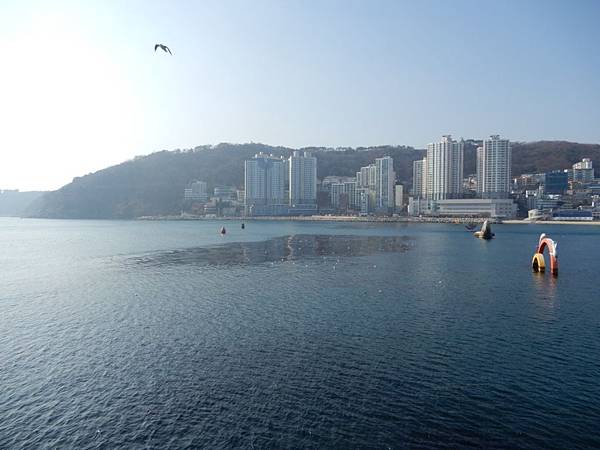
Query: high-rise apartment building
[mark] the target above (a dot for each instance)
(376, 181)
(385, 180)
(264, 182)
(362, 177)
(444, 171)
(372, 170)
(399, 198)
(419, 186)
(493, 168)
(303, 179)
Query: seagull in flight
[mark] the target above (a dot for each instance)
(164, 48)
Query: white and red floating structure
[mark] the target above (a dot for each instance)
(538, 263)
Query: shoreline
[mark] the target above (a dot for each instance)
(403, 219)
(551, 222)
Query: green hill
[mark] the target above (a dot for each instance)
(543, 156)
(153, 184)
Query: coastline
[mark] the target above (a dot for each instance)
(372, 219)
(328, 218)
(552, 222)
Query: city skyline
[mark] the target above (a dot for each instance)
(83, 89)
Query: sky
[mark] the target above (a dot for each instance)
(81, 87)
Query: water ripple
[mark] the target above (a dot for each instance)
(280, 249)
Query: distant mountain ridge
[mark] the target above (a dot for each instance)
(14, 203)
(153, 184)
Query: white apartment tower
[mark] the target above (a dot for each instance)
(493, 168)
(303, 179)
(419, 186)
(264, 181)
(385, 180)
(444, 169)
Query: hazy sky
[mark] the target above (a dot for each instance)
(81, 87)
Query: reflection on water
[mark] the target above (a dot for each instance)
(545, 288)
(286, 248)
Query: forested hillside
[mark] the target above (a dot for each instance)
(153, 184)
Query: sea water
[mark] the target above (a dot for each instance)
(134, 334)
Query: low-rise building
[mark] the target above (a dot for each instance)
(225, 192)
(484, 207)
(583, 171)
(579, 215)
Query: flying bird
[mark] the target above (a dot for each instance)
(163, 47)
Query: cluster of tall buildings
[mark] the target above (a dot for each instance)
(268, 178)
(288, 186)
(438, 180)
(371, 191)
(274, 185)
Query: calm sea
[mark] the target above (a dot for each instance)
(295, 335)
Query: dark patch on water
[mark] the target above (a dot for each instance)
(285, 248)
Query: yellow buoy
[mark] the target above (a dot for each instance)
(538, 264)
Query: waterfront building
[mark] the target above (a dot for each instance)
(197, 190)
(531, 199)
(350, 188)
(385, 180)
(413, 208)
(493, 168)
(527, 181)
(556, 182)
(225, 192)
(417, 186)
(418, 206)
(444, 171)
(264, 179)
(302, 179)
(365, 199)
(335, 192)
(549, 202)
(481, 207)
(583, 171)
(344, 195)
(240, 195)
(399, 198)
(579, 215)
(377, 181)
